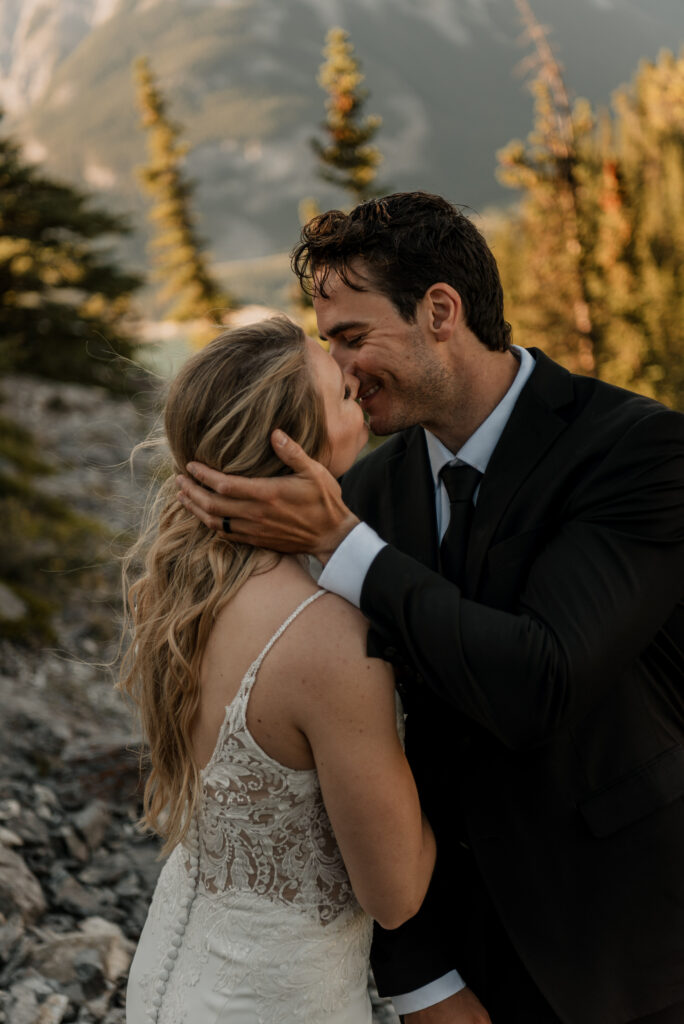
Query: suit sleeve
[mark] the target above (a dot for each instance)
(422, 949)
(594, 597)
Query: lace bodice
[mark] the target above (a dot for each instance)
(263, 827)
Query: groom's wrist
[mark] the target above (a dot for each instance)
(348, 564)
(333, 541)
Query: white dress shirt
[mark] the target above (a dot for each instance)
(347, 567)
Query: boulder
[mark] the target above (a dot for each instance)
(58, 957)
(73, 897)
(106, 868)
(9, 838)
(54, 1009)
(45, 801)
(27, 998)
(75, 846)
(11, 932)
(90, 972)
(20, 891)
(92, 822)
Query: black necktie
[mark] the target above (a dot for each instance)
(460, 482)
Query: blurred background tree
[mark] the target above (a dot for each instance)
(641, 245)
(65, 305)
(348, 157)
(176, 250)
(550, 290)
(65, 315)
(593, 260)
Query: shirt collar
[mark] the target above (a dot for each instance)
(479, 447)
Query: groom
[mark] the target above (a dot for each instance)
(518, 547)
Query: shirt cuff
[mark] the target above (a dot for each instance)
(350, 561)
(428, 995)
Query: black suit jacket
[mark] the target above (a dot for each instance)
(546, 696)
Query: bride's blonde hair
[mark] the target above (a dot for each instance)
(220, 410)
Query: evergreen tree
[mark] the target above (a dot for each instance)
(348, 158)
(176, 248)
(63, 302)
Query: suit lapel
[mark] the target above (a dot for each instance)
(532, 428)
(410, 521)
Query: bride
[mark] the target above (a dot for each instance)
(278, 780)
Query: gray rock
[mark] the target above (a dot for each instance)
(106, 868)
(98, 1007)
(46, 802)
(89, 970)
(143, 858)
(12, 608)
(9, 808)
(20, 891)
(57, 957)
(26, 997)
(128, 887)
(30, 827)
(71, 896)
(9, 838)
(11, 932)
(53, 1009)
(85, 1016)
(92, 822)
(116, 1015)
(23, 1005)
(76, 847)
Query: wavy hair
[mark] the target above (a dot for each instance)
(220, 410)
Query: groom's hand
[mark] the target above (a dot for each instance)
(299, 513)
(462, 1008)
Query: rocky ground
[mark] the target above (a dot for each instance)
(76, 875)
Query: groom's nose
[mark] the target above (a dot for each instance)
(342, 356)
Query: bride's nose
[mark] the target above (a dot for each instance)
(353, 384)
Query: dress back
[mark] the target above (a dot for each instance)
(253, 920)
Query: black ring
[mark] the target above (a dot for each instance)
(226, 524)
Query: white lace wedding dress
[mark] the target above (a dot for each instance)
(253, 920)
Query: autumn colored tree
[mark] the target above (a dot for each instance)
(592, 261)
(347, 157)
(550, 170)
(640, 257)
(180, 263)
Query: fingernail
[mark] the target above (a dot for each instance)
(179, 481)
(191, 467)
(181, 498)
(279, 438)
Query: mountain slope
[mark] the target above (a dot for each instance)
(241, 77)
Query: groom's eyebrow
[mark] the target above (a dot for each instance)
(341, 328)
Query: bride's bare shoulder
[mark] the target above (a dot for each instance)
(328, 635)
(329, 640)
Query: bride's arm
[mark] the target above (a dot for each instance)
(346, 709)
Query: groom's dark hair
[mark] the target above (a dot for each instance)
(407, 242)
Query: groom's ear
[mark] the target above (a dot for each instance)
(443, 308)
